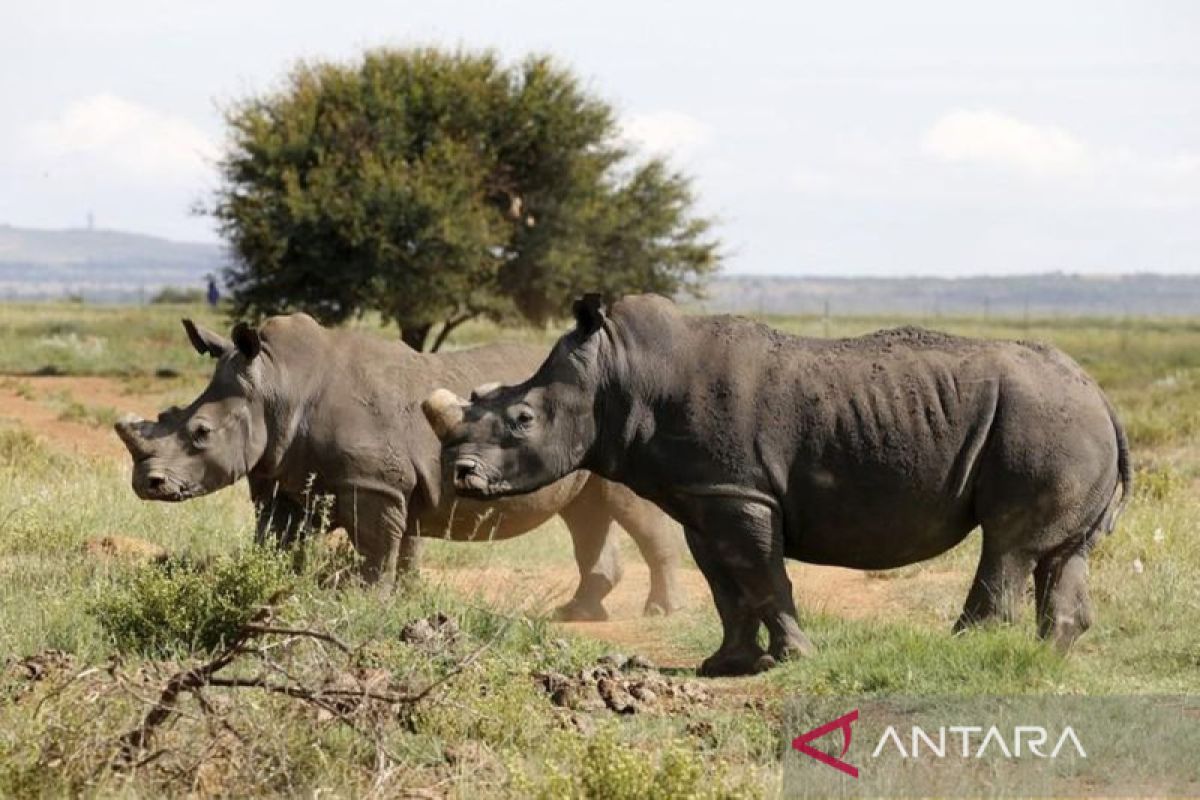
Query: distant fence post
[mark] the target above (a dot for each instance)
(827, 318)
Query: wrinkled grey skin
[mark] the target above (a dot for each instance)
(869, 453)
(294, 400)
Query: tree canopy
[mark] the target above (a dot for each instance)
(434, 187)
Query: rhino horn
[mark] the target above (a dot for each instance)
(127, 428)
(444, 410)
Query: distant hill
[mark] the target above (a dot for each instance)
(1036, 295)
(99, 264)
(113, 266)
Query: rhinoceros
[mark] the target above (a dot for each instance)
(303, 411)
(870, 453)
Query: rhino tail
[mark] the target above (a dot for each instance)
(1124, 473)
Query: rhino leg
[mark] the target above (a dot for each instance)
(375, 525)
(999, 584)
(657, 539)
(596, 555)
(278, 519)
(739, 653)
(1064, 609)
(409, 562)
(744, 564)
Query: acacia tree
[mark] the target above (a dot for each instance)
(436, 187)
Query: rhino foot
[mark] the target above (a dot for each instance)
(581, 611)
(659, 608)
(749, 662)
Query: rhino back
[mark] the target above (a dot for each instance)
(364, 429)
(889, 428)
(365, 418)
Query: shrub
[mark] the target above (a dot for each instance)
(175, 295)
(183, 604)
(604, 766)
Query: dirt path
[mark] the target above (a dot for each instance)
(36, 403)
(847, 593)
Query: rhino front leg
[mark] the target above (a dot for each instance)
(743, 538)
(410, 553)
(375, 525)
(739, 653)
(278, 519)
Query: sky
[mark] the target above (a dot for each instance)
(847, 138)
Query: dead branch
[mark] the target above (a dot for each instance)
(193, 681)
(135, 741)
(324, 637)
(311, 695)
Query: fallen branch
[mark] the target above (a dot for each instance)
(301, 693)
(134, 742)
(324, 637)
(131, 754)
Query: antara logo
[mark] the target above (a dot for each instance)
(1035, 739)
(975, 742)
(843, 722)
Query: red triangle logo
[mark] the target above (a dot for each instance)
(843, 723)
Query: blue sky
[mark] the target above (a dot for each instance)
(849, 138)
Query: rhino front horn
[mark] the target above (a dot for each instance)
(126, 428)
(444, 410)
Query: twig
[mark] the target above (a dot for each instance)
(305, 694)
(57, 690)
(324, 637)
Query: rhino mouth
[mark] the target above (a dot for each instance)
(473, 479)
(163, 488)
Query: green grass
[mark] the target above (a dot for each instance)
(493, 730)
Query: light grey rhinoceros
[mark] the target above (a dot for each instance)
(298, 408)
(871, 453)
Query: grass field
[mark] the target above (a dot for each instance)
(91, 638)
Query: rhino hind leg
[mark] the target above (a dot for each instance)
(1064, 609)
(1047, 529)
(597, 557)
(657, 539)
(998, 587)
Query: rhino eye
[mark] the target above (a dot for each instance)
(200, 435)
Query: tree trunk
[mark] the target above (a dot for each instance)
(415, 335)
(448, 326)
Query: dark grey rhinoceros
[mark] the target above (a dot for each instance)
(301, 410)
(870, 453)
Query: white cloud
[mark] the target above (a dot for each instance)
(108, 132)
(990, 137)
(665, 132)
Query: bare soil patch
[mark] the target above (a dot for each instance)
(33, 403)
(845, 593)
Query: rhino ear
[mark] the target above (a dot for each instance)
(247, 341)
(589, 313)
(206, 342)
